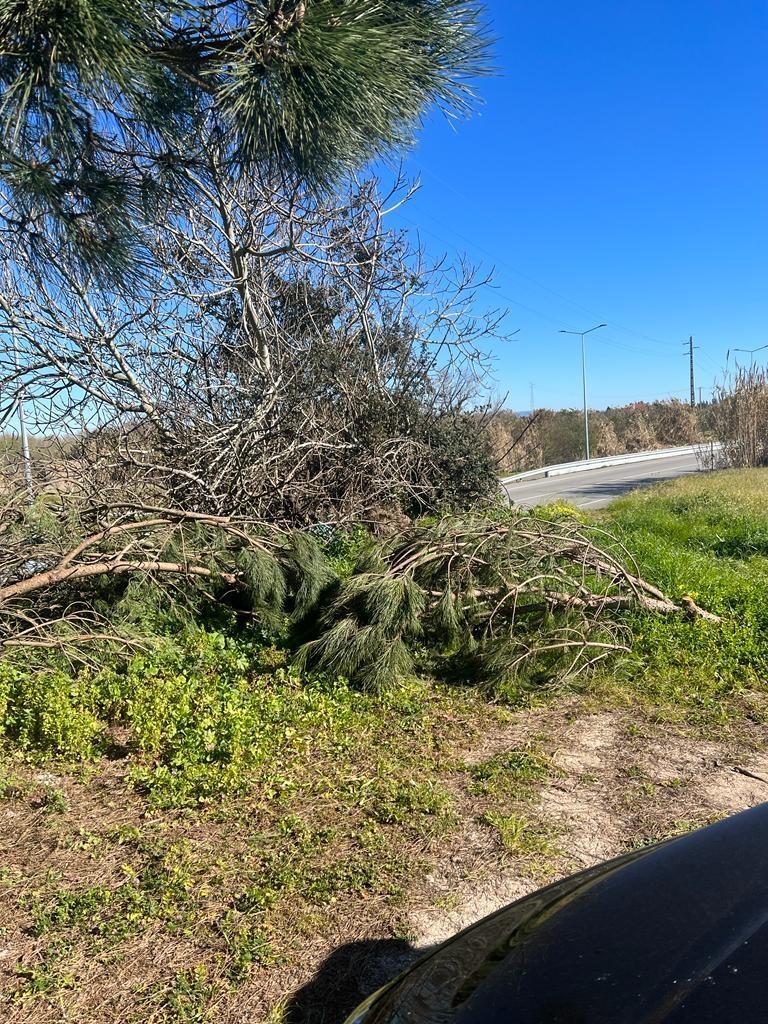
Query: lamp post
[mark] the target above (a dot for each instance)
(581, 335)
(751, 351)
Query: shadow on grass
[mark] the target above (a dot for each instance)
(349, 975)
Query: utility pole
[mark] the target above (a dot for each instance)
(24, 436)
(533, 403)
(693, 378)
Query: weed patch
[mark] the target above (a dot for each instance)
(517, 835)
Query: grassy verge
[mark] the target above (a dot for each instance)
(707, 537)
(184, 836)
(208, 802)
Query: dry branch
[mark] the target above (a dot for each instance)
(295, 360)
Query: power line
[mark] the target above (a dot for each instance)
(606, 341)
(533, 280)
(507, 298)
(610, 342)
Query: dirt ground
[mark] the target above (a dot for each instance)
(617, 785)
(614, 781)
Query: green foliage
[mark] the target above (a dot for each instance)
(366, 627)
(344, 549)
(462, 469)
(54, 800)
(701, 537)
(186, 1000)
(345, 82)
(209, 717)
(560, 510)
(49, 710)
(264, 583)
(517, 835)
(511, 773)
(485, 594)
(207, 714)
(161, 890)
(411, 803)
(309, 89)
(308, 570)
(44, 980)
(208, 710)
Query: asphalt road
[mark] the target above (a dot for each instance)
(594, 488)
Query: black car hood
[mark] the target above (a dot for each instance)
(677, 933)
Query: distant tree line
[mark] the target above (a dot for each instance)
(549, 436)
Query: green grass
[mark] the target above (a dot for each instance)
(512, 773)
(519, 836)
(707, 537)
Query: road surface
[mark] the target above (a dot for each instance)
(594, 488)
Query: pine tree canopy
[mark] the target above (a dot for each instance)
(102, 101)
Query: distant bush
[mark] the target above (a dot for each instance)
(741, 418)
(552, 436)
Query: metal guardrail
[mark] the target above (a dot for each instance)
(565, 468)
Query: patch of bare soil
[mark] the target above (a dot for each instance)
(616, 784)
(608, 782)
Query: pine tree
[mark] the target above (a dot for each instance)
(102, 100)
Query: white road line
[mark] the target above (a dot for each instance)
(533, 497)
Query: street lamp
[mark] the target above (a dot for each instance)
(749, 351)
(581, 334)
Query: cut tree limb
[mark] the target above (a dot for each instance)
(54, 577)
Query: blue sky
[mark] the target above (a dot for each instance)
(616, 170)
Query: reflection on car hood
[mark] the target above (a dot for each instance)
(677, 933)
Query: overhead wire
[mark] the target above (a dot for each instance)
(603, 340)
(533, 280)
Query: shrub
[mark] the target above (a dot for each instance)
(50, 710)
(462, 468)
(206, 714)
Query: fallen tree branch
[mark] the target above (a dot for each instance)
(68, 574)
(539, 589)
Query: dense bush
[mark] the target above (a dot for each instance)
(461, 468)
